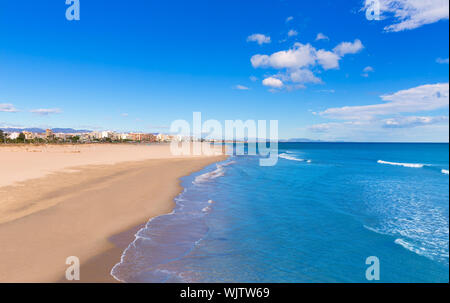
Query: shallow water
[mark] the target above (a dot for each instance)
(314, 217)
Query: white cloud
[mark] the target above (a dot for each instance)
(413, 121)
(442, 61)
(258, 38)
(298, 61)
(124, 115)
(301, 55)
(253, 78)
(292, 33)
(296, 86)
(411, 14)
(419, 129)
(260, 61)
(422, 98)
(367, 70)
(348, 47)
(7, 107)
(241, 87)
(321, 36)
(303, 76)
(322, 127)
(46, 111)
(327, 59)
(272, 82)
(389, 121)
(290, 18)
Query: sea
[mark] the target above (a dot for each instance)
(319, 215)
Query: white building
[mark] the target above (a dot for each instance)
(106, 134)
(124, 137)
(13, 136)
(95, 135)
(162, 138)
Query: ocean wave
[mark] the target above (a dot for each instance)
(420, 251)
(374, 230)
(288, 157)
(424, 232)
(413, 165)
(444, 171)
(210, 175)
(218, 172)
(432, 250)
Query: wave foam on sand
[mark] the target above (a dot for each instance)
(218, 172)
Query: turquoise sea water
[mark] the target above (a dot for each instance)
(314, 217)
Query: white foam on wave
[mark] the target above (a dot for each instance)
(444, 171)
(374, 230)
(413, 165)
(410, 247)
(405, 244)
(210, 175)
(288, 157)
(218, 172)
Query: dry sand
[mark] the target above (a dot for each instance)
(85, 201)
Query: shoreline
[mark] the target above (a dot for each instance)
(92, 213)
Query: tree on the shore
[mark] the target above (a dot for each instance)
(2, 136)
(21, 138)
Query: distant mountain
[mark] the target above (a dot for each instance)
(70, 130)
(40, 130)
(299, 140)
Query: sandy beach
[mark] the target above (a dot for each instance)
(81, 200)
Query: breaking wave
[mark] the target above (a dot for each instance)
(289, 157)
(413, 165)
(218, 172)
(409, 246)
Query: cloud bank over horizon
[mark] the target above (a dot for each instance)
(391, 115)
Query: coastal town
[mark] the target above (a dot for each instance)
(50, 136)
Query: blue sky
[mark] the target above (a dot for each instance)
(139, 65)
